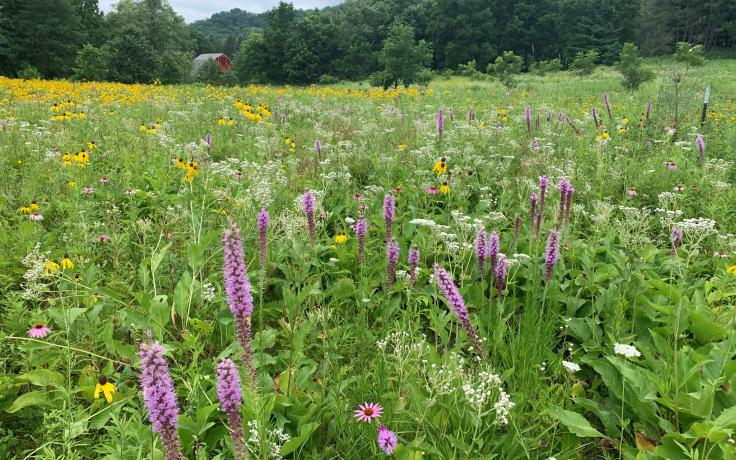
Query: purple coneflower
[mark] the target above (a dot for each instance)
(361, 229)
(392, 257)
(36, 217)
(389, 212)
(413, 260)
(366, 412)
(231, 398)
(104, 180)
(440, 123)
(456, 302)
(39, 331)
(607, 103)
(308, 206)
(551, 253)
(501, 270)
(480, 249)
(700, 144)
(387, 440)
(237, 288)
(160, 397)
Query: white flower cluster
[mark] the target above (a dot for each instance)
(570, 366)
(628, 351)
(667, 218)
(400, 345)
(502, 407)
(276, 438)
(208, 292)
(34, 286)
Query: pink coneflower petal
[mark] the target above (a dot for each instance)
(88, 190)
(631, 192)
(432, 191)
(36, 217)
(103, 238)
(104, 180)
(678, 188)
(39, 331)
(367, 412)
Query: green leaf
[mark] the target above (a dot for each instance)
(157, 257)
(42, 378)
(574, 422)
(32, 398)
(65, 318)
(294, 443)
(182, 294)
(726, 418)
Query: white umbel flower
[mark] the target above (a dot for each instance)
(628, 351)
(570, 366)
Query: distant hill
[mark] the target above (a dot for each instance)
(233, 22)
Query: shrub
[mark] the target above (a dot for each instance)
(506, 67)
(91, 64)
(29, 72)
(584, 62)
(544, 67)
(690, 55)
(630, 65)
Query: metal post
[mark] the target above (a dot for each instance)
(706, 96)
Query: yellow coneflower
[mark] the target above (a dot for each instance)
(105, 388)
(50, 266)
(341, 238)
(230, 122)
(402, 147)
(91, 145)
(71, 184)
(287, 141)
(25, 209)
(94, 298)
(143, 127)
(440, 167)
(332, 246)
(66, 262)
(34, 206)
(444, 188)
(731, 270)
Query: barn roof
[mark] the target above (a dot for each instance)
(202, 58)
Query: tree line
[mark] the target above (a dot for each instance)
(146, 40)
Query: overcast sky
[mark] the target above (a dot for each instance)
(201, 9)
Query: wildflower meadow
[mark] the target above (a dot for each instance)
(462, 270)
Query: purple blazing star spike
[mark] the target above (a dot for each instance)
(308, 207)
(538, 225)
(543, 184)
(501, 271)
(389, 212)
(700, 144)
(676, 239)
(231, 398)
(649, 108)
(549, 116)
(208, 141)
(471, 115)
(564, 187)
(159, 395)
(360, 231)
(528, 118)
(318, 147)
(517, 227)
(237, 288)
(455, 300)
(539, 120)
(492, 249)
(480, 249)
(263, 221)
(413, 260)
(440, 123)
(386, 440)
(607, 103)
(551, 253)
(392, 256)
(595, 117)
(568, 203)
(533, 200)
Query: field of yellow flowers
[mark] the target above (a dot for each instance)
(454, 272)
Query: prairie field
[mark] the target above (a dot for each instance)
(456, 271)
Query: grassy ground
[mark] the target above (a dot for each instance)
(130, 242)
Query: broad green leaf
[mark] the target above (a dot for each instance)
(574, 422)
(294, 443)
(32, 398)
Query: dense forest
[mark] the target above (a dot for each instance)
(146, 40)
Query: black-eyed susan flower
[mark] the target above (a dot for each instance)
(50, 266)
(731, 270)
(106, 388)
(143, 127)
(341, 238)
(440, 167)
(66, 262)
(444, 188)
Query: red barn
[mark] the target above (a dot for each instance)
(221, 58)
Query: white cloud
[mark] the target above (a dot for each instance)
(193, 10)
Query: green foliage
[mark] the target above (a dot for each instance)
(632, 67)
(506, 68)
(584, 63)
(249, 65)
(29, 73)
(404, 60)
(132, 58)
(470, 70)
(91, 64)
(690, 55)
(542, 68)
(175, 67)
